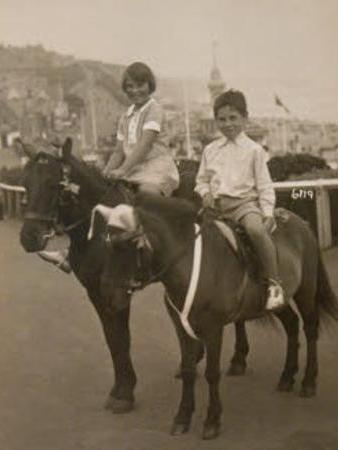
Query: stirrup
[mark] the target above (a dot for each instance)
(275, 295)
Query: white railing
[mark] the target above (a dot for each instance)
(305, 189)
(317, 190)
(12, 200)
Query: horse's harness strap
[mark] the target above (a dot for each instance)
(74, 225)
(36, 216)
(191, 292)
(194, 278)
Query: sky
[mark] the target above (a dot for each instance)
(288, 46)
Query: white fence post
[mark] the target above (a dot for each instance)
(323, 210)
(323, 217)
(12, 200)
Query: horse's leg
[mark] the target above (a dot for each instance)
(116, 330)
(190, 348)
(307, 299)
(290, 322)
(213, 341)
(311, 325)
(180, 332)
(238, 361)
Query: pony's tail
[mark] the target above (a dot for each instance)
(326, 299)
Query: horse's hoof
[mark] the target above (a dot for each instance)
(179, 428)
(119, 405)
(285, 386)
(236, 370)
(211, 431)
(307, 391)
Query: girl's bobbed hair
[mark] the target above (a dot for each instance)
(235, 99)
(140, 73)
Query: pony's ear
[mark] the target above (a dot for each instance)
(27, 149)
(67, 148)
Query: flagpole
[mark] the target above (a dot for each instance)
(287, 113)
(284, 136)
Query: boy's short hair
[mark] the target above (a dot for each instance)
(140, 73)
(235, 99)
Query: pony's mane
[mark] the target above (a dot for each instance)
(90, 179)
(172, 208)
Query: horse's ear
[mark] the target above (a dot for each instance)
(27, 149)
(67, 148)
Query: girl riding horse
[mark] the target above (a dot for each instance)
(142, 155)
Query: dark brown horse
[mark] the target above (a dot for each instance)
(61, 192)
(51, 204)
(156, 240)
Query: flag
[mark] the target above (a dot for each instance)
(279, 102)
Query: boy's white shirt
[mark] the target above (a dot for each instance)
(237, 169)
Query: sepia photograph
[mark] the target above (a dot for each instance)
(168, 225)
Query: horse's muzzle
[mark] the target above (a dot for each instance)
(34, 235)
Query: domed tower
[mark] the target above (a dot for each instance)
(216, 84)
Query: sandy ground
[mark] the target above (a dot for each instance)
(55, 373)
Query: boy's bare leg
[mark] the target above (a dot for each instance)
(266, 251)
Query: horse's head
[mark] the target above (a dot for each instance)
(46, 178)
(42, 178)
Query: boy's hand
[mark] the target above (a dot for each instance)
(116, 173)
(208, 201)
(269, 224)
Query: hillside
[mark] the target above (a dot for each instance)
(20, 64)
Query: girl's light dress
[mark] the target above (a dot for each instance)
(159, 167)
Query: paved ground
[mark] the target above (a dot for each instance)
(55, 374)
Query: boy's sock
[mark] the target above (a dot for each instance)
(275, 295)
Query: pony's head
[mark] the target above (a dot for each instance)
(42, 178)
(49, 179)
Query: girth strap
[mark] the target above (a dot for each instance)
(194, 278)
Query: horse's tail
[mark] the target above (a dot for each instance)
(326, 298)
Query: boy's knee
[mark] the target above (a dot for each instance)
(253, 225)
(149, 188)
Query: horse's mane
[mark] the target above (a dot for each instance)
(171, 208)
(91, 181)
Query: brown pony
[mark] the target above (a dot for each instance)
(155, 241)
(61, 191)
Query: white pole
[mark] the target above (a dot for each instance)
(83, 129)
(90, 82)
(92, 112)
(325, 141)
(187, 120)
(285, 136)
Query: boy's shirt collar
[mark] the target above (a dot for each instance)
(131, 109)
(240, 138)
